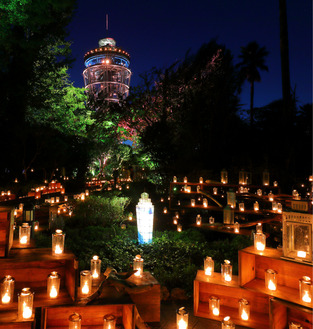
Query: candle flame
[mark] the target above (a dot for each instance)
(301, 254)
(6, 298)
(244, 315)
(208, 271)
(58, 250)
(271, 285)
(216, 311)
(23, 240)
(260, 246)
(182, 324)
(95, 275)
(53, 292)
(138, 273)
(27, 311)
(227, 277)
(306, 297)
(85, 289)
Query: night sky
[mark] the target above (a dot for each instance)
(157, 33)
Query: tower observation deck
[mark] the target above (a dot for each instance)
(107, 75)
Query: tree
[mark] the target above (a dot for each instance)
(252, 60)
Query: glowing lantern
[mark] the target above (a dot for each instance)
(82, 196)
(227, 323)
(109, 321)
(187, 189)
(271, 279)
(174, 179)
(224, 176)
(85, 282)
(274, 206)
(175, 221)
(305, 289)
(185, 180)
(266, 178)
(231, 198)
(193, 202)
(226, 270)
(130, 216)
(36, 225)
(198, 220)
(279, 208)
(86, 192)
(244, 309)
(7, 289)
(259, 192)
(228, 215)
(205, 202)
(138, 265)
(182, 318)
(259, 241)
(162, 199)
(57, 199)
(256, 206)
(25, 304)
(53, 284)
(179, 228)
(24, 234)
(198, 188)
(241, 206)
(178, 203)
(95, 267)
(58, 239)
(275, 183)
(215, 190)
(74, 321)
(208, 266)
(294, 325)
(271, 196)
(201, 180)
(211, 220)
(144, 211)
(177, 214)
(65, 198)
(259, 228)
(165, 210)
(236, 227)
(214, 305)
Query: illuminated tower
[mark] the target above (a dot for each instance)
(107, 75)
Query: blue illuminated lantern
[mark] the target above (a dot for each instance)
(144, 211)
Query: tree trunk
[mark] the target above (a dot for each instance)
(251, 103)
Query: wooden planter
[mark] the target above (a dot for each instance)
(229, 295)
(92, 316)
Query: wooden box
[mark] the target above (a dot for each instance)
(31, 267)
(148, 302)
(283, 312)
(6, 230)
(8, 320)
(229, 295)
(92, 316)
(252, 267)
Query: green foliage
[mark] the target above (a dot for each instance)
(99, 211)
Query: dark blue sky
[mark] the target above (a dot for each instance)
(157, 33)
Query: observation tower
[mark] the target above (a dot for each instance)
(107, 73)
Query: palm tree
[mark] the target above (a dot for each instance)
(252, 60)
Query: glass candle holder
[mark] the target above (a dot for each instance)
(271, 196)
(201, 180)
(215, 190)
(174, 179)
(226, 270)
(241, 206)
(82, 196)
(198, 188)
(57, 199)
(109, 321)
(227, 323)
(36, 225)
(244, 309)
(211, 220)
(259, 241)
(236, 227)
(205, 202)
(274, 206)
(305, 289)
(231, 198)
(24, 234)
(58, 242)
(259, 228)
(256, 206)
(65, 198)
(175, 221)
(279, 208)
(179, 228)
(214, 305)
(177, 214)
(25, 304)
(271, 280)
(85, 282)
(294, 325)
(53, 284)
(7, 289)
(185, 180)
(224, 176)
(74, 321)
(208, 266)
(193, 202)
(182, 318)
(164, 210)
(198, 220)
(275, 183)
(95, 267)
(259, 192)
(138, 265)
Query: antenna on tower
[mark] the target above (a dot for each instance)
(107, 22)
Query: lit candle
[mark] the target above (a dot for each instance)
(25, 303)
(174, 220)
(74, 321)
(85, 282)
(58, 242)
(201, 180)
(259, 241)
(95, 267)
(214, 305)
(58, 249)
(256, 206)
(236, 227)
(138, 266)
(182, 318)
(205, 203)
(27, 312)
(241, 206)
(185, 180)
(208, 266)
(211, 220)
(24, 233)
(85, 288)
(23, 240)
(109, 321)
(244, 309)
(305, 289)
(165, 210)
(53, 284)
(215, 190)
(271, 279)
(198, 220)
(227, 271)
(53, 292)
(227, 323)
(301, 254)
(6, 298)
(174, 179)
(7, 289)
(179, 228)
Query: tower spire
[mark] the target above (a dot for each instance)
(107, 23)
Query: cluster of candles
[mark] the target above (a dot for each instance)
(91, 277)
(226, 269)
(75, 321)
